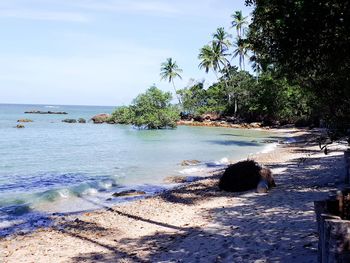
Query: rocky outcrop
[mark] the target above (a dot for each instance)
(255, 125)
(69, 120)
(101, 118)
(129, 193)
(246, 175)
(80, 120)
(224, 124)
(24, 120)
(211, 117)
(45, 112)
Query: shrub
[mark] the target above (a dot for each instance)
(151, 110)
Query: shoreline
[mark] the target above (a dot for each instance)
(226, 124)
(43, 210)
(155, 228)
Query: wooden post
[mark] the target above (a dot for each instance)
(332, 207)
(337, 233)
(347, 166)
(325, 234)
(320, 208)
(340, 198)
(334, 232)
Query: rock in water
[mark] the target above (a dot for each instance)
(81, 120)
(20, 126)
(129, 193)
(69, 120)
(24, 120)
(244, 176)
(45, 112)
(189, 162)
(101, 118)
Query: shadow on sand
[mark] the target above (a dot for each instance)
(247, 232)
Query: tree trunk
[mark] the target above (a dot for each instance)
(236, 106)
(177, 96)
(227, 92)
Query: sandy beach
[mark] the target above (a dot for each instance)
(199, 223)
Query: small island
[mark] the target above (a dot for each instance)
(45, 112)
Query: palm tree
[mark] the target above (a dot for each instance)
(241, 50)
(221, 37)
(257, 67)
(169, 71)
(212, 57)
(239, 22)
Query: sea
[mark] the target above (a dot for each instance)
(52, 167)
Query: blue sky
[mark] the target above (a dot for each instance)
(102, 52)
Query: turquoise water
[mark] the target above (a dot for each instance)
(51, 166)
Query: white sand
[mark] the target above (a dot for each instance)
(197, 222)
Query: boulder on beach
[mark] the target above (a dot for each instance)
(101, 118)
(129, 193)
(189, 162)
(246, 175)
(211, 116)
(24, 120)
(255, 125)
(69, 120)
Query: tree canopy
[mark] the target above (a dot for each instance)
(300, 52)
(307, 41)
(150, 110)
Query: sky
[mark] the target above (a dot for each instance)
(102, 52)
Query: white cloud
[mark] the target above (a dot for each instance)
(43, 15)
(146, 7)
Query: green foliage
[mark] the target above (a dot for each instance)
(197, 100)
(269, 99)
(308, 41)
(123, 115)
(274, 99)
(300, 52)
(213, 57)
(151, 110)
